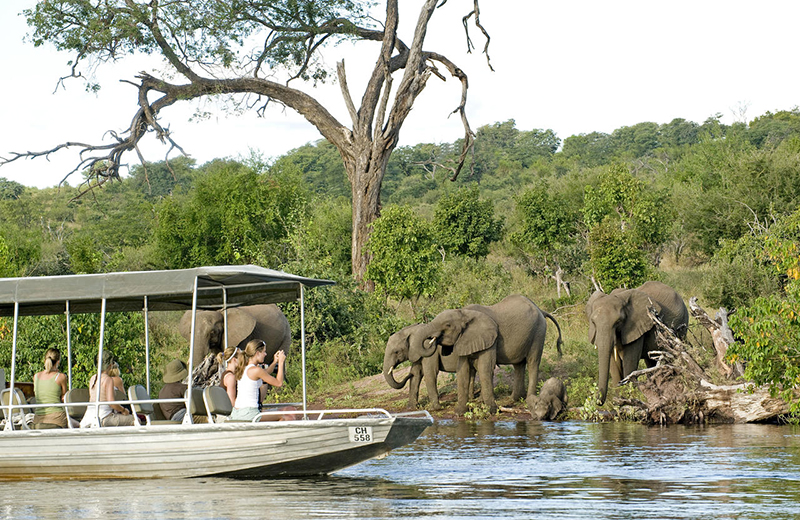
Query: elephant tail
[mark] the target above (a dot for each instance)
(559, 342)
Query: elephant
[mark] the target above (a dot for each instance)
(408, 344)
(265, 322)
(511, 332)
(624, 333)
(550, 402)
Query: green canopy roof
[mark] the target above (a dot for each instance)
(233, 285)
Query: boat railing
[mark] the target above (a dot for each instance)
(315, 415)
(17, 408)
(318, 415)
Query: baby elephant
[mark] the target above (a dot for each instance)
(550, 402)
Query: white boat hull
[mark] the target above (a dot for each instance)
(245, 450)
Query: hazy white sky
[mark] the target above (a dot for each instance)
(574, 66)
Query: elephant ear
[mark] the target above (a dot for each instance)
(478, 332)
(589, 308)
(637, 320)
(240, 325)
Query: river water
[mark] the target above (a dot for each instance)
(508, 470)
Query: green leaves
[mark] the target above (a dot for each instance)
(233, 216)
(768, 330)
(405, 262)
(465, 224)
(626, 219)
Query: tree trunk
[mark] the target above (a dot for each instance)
(678, 389)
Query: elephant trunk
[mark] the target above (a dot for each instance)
(604, 350)
(388, 370)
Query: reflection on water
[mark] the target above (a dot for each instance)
(517, 470)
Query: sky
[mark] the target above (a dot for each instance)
(573, 66)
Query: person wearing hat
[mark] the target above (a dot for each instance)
(174, 373)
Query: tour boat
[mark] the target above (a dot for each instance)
(316, 442)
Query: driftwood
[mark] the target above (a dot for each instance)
(679, 390)
(721, 335)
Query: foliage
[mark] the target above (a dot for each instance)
(405, 263)
(738, 273)
(626, 218)
(161, 179)
(615, 257)
(10, 189)
(465, 224)
(232, 216)
(769, 329)
(548, 228)
(321, 167)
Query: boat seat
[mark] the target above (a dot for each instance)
(138, 393)
(217, 402)
(19, 399)
(197, 407)
(76, 395)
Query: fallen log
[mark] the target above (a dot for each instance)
(679, 390)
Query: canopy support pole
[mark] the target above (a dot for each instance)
(187, 419)
(98, 382)
(69, 348)
(147, 345)
(303, 347)
(10, 419)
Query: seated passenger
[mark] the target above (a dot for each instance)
(229, 361)
(250, 377)
(109, 414)
(114, 372)
(49, 386)
(174, 373)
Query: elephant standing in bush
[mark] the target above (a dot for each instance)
(511, 332)
(410, 344)
(623, 332)
(265, 322)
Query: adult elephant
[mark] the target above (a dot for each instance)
(511, 332)
(623, 332)
(265, 322)
(410, 344)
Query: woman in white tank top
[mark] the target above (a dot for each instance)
(250, 376)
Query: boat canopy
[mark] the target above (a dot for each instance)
(217, 287)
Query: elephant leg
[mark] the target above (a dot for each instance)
(534, 358)
(632, 353)
(472, 390)
(462, 383)
(430, 372)
(648, 345)
(518, 382)
(486, 363)
(413, 385)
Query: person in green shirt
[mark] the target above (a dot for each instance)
(49, 386)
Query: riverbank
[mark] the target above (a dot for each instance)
(374, 392)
